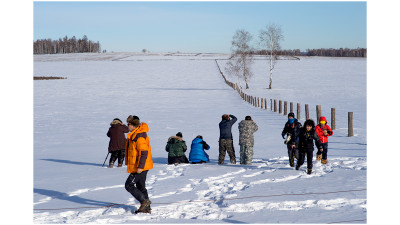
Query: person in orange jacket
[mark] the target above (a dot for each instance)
(139, 161)
(323, 131)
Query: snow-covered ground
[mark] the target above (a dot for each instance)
(186, 93)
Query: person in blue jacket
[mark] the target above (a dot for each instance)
(197, 153)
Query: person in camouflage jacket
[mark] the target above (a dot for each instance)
(247, 127)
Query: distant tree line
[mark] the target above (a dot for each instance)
(65, 45)
(346, 52)
(331, 52)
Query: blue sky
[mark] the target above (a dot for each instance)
(201, 26)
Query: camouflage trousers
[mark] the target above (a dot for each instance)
(246, 154)
(226, 145)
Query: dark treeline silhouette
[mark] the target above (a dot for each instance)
(65, 45)
(342, 52)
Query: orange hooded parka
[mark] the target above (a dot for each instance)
(138, 150)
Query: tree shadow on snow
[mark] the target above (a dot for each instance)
(66, 197)
(72, 162)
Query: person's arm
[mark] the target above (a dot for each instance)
(184, 146)
(143, 148)
(205, 145)
(317, 141)
(255, 127)
(234, 119)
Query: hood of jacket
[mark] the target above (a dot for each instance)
(197, 140)
(173, 139)
(322, 118)
(115, 122)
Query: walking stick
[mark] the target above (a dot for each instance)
(105, 160)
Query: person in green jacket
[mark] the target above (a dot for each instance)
(176, 148)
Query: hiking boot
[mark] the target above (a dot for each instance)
(297, 167)
(144, 207)
(119, 165)
(324, 161)
(309, 171)
(111, 165)
(319, 157)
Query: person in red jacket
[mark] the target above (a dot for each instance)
(323, 132)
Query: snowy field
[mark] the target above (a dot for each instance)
(186, 93)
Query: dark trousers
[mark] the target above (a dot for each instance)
(325, 151)
(177, 159)
(292, 152)
(302, 155)
(226, 145)
(120, 155)
(136, 185)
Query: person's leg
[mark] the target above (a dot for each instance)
(113, 157)
(141, 184)
(249, 154)
(301, 159)
(325, 153)
(231, 151)
(121, 157)
(242, 154)
(309, 159)
(131, 187)
(222, 151)
(290, 154)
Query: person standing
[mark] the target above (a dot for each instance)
(139, 160)
(291, 130)
(225, 139)
(176, 148)
(306, 145)
(116, 146)
(247, 127)
(323, 131)
(197, 153)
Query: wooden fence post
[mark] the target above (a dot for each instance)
(285, 108)
(265, 103)
(291, 107)
(333, 119)
(298, 111)
(280, 106)
(318, 113)
(271, 104)
(350, 124)
(307, 112)
(258, 102)
(275, 106)
(262, 103)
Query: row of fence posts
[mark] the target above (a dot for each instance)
(262, 103)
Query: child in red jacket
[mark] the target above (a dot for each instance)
(323, 131)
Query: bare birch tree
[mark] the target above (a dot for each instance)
(270, 39)
(241, 58)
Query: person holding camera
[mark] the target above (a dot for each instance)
(225, 139)
(291, 130)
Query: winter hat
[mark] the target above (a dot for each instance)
(322, 120)
(134, 120)
(199, 136)
(247, 118)
(179, 134)
(291, 114)
(116, 121)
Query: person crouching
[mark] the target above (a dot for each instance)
(197, 153)
(176, 148)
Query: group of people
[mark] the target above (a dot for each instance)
(300, 141)
(176, 146)
(135, 149)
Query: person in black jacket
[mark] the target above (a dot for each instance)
(225, 139)
(291, 130)
(306, 145)
(116, 146)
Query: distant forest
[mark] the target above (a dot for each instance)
(341, 52)
(65, 45)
